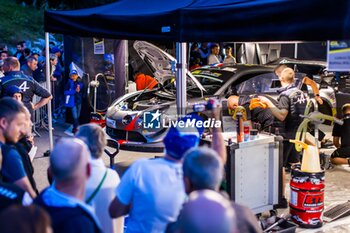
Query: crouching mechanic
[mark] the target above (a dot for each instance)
(260, 115)
(341, 139)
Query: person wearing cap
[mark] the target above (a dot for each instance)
(341, 139)
(152, 190)
(73, 96)
(27, 84)
(14, 92)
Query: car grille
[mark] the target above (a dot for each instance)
(121, 135)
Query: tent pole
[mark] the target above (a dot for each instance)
(48, 86)
(181, 93)
(126, 61)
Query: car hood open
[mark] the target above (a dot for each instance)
(161, 63)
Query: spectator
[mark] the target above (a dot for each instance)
(10, 194)
(229, 59)
(26, 54)
(196, 64)
(38, 73)
(207, 211)
(1, 69)
(25, 144)
(20, 48)
(30, 66)
(53, 64)
(195, 55)
(30, 219)
(155, 186)
(204, 52)
(3, 47)
(341, 139)
(27, 84)
(214, 54)
(57, 74)
(3, 55)
(103, 181)
(203, 170)
(14, 92)
(13, 116)
(64, 199)
(58, 71)
(73, 97)
(144, 81)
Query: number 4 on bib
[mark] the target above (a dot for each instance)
(23, 86)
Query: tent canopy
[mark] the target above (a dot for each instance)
(208, 20)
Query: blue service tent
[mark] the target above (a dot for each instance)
(208, 20)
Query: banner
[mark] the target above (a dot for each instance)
(338, 55)
(99, 46)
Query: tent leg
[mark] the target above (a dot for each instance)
(181, 93)
(48, 86)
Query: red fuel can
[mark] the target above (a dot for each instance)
(307, 197)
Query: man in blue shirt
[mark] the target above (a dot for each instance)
(64, 199)
(29, 87)
(13, 124)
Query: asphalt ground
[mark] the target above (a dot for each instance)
(337, 184)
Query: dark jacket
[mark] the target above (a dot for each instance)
(23, 147)
(69, 219)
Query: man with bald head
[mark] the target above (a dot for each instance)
(291, 104)
(64, 199)
(207, 211)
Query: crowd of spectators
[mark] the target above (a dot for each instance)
(204, 53)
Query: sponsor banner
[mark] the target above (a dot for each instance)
(338, 55)
(99, 46)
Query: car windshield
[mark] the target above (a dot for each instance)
(263, 83)
(192, 89)
(212, 80)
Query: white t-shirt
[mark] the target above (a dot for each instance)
(229, 60)
(155, 190)
(104, 196)
(213, 59)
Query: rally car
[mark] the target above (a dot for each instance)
(142, 117)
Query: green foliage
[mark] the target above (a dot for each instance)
(20, 22)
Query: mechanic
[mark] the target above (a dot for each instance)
(341, 139)
(144, 81)
(306, 80)
(309, 82)
(260, 115)
(291, 104)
